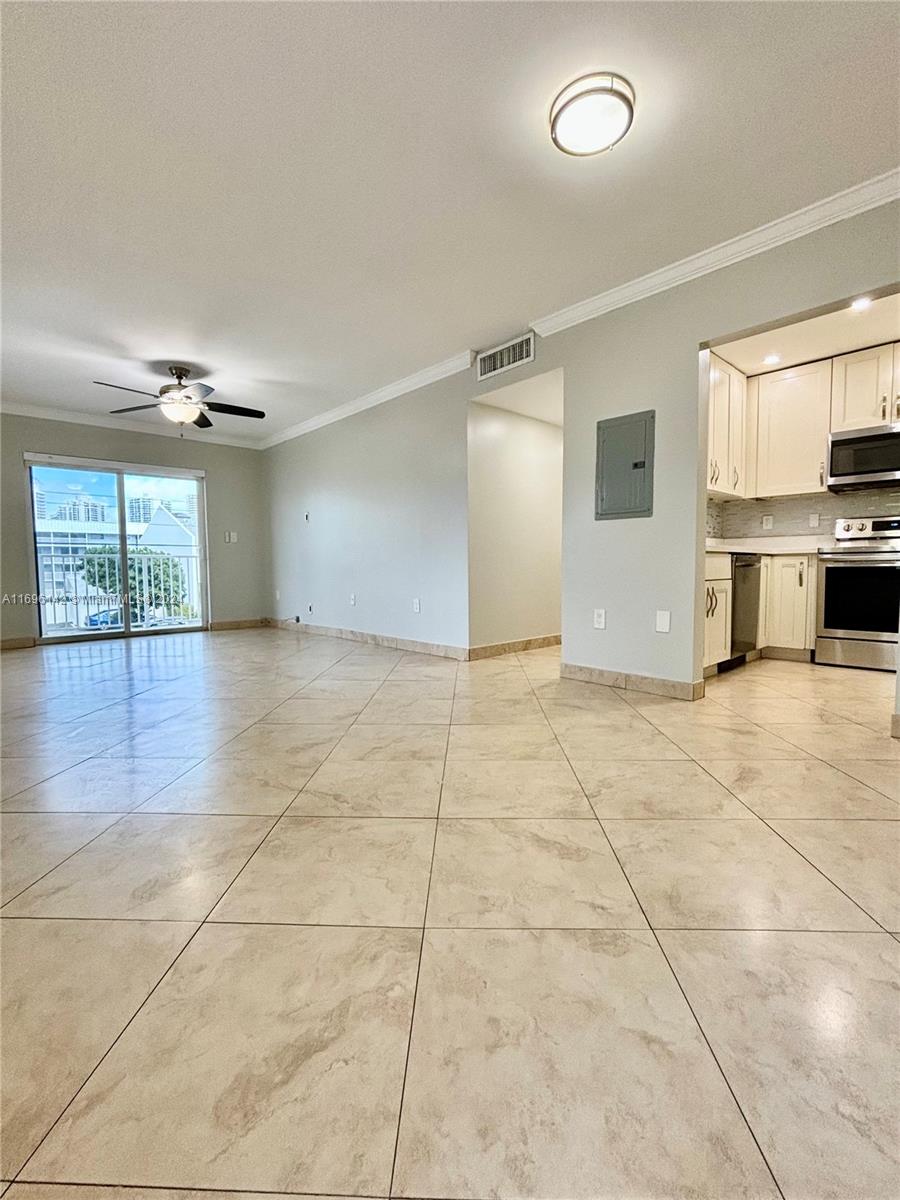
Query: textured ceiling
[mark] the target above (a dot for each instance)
(313, 200)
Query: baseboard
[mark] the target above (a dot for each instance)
(674, 688)
(377, 639)
(519, 647)
(895, 725)
(788, 653)
(249, 623)
(17, 643)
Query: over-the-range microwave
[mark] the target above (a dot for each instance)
(864, 458)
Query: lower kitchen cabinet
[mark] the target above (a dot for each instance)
(789, 606)
(717, 637)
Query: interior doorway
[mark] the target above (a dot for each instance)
(118, 550)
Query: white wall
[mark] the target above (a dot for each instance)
(386, 495)
(515, 525)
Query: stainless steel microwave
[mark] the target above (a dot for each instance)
(864, 458)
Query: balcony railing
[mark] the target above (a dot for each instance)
(82, 592)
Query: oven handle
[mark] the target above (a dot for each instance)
(869, 560)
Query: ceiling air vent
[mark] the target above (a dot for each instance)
(505, 357)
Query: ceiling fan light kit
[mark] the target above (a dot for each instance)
(184, 404)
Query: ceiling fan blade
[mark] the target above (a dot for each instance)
(196, 391)
(137, 407)
(233, 410)
(202, 421)
(137, 391)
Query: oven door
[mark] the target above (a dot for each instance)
(864, 458)
(858, 596)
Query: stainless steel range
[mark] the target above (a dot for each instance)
(858, 601)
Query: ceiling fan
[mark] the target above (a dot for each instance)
(183, 404)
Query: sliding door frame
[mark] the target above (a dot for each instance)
(120, 470)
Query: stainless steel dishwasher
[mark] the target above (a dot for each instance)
(745, 609)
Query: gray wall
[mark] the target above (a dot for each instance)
(235, 499)
(515, 526)
(386, 495)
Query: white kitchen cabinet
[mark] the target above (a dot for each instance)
(788, 603)
(793, 415)
(726, 459)
(896, 387)
(762, 632)
(717, 636)
(861, 389)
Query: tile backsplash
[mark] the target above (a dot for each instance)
(743, 518)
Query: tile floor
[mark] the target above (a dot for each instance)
(291, 915)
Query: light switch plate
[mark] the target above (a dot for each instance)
(663, 620)
(234, 535)
(599, 618)
(353, 598)
(417, 606)
(768, 522)
(227, 536)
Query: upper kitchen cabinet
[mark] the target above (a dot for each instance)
(794, 409)
(726, 465)
(862, 391)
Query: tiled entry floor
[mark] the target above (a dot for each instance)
(287, 914)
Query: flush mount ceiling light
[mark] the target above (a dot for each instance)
(860, 304)
(772, 360)
(591, 114)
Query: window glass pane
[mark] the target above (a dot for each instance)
(162, 523)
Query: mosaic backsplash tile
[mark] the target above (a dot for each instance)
(743, 518)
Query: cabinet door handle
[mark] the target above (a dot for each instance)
(712, 473)
(897, 407)
(708, 601)
(801, 575)
(716, 476)
(884, 408)
(821, 474)
(735, 477)
(715, 601)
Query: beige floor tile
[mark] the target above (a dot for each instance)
(608, 743)
(511, 685)
(148, 867)
(500, 743)
(69, 987)
(655, 789)
(883, 776)
(563, 716)
(301, 710)
(837, 742)
(390, 710)
(663, 709)
(361, 670)
(244, 786)
(528, 874)
(512, 789)
(303, 745)
(392, 743)
(415, 689)
(357, 692)
(577, 694)
(371, 789)
(100, 785)
(564, 1064)
(861, 857)
(17, 774)
(732, 741)
(726, 875)
(806, 788)
(801, 1024)
(415, 667)
(780, 712)
(497, 710)
(336, 871)
(270, 1058)
(31, 844)
(64, 1191)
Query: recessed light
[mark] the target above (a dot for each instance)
(591, 114)
(861, 303)
(772, 360)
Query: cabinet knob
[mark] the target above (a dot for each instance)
(821, 474)
(884, 408)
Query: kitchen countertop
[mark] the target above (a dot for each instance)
(788, 544)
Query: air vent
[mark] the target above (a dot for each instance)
(505, 357)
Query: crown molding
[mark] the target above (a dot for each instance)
(66, 415)
(850, 203)
(390, 391)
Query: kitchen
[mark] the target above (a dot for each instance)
(803, 491)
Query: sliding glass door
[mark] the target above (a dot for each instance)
(117, 550)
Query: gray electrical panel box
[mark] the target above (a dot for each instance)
(624, 482)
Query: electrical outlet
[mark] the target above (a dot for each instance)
(277, 593)
(297, 620)
(599, 618)
(663, 620)
(306, 517)
(417, 605)
(353, 599)
(227, 537)
(309, 608)
(768, 522)
(814, 520)
(234, 535)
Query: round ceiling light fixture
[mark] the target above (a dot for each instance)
(592, 114)
(182, 412)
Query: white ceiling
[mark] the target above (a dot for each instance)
(313, 200)
(819, 337)
(540, 397)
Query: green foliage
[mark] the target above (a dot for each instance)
(155, 579)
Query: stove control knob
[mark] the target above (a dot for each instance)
(847, 527)
(861, 526)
